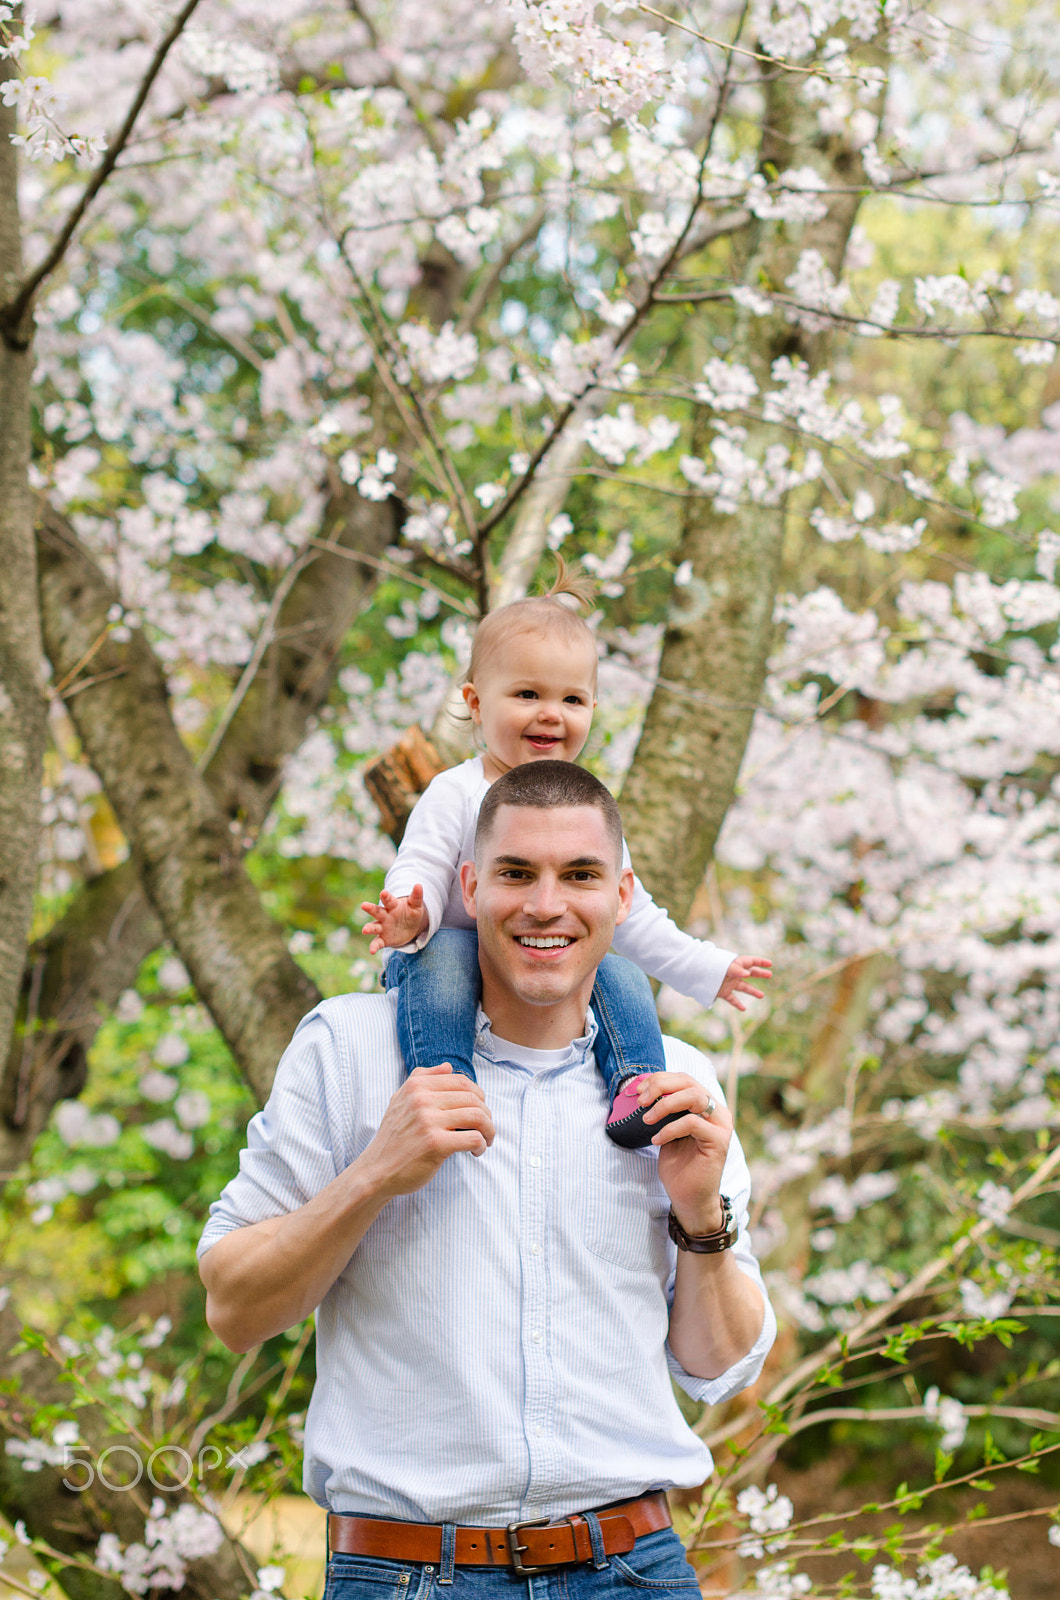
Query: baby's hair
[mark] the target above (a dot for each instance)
(545, 614)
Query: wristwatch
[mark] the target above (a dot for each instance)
(707, 1244)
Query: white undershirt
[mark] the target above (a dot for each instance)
(524, 1056)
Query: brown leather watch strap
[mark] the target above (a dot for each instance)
(525, 1546)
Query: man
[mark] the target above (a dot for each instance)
(495, 1336)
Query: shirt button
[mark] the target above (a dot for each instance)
(539, 1433)
(535, 1161)
(535, 1249)
(537, 1336)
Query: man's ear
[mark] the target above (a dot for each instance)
(469, 883)
(625, 894)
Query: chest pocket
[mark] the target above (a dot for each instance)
(626, 1208)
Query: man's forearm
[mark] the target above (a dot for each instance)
(264, 1278)
(716, 1316)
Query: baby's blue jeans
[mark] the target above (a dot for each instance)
(439, 989)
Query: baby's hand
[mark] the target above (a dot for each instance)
(396, 920)
(737, 980)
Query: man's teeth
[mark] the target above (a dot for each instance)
(549, 943)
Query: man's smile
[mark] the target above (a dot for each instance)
(545, 941)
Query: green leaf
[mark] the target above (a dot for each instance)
(982, 1483)
(30, 1339)
(897, 1346)
(775, 1421)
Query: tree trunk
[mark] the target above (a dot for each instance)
(186, 849)
(719, 630)
(396, 781)
(94, 952)
(73, 977)
(22, 700)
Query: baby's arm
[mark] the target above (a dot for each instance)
(418, 884)
(695, 967)
(398, 919)
(740, 979)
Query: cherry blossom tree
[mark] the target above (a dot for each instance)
(340, 318)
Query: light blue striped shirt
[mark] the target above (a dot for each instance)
(495, 1348)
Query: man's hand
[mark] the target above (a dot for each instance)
(267, 1276)
(692, 1150)
(741, 977)
(436, 1113)
(397, 920)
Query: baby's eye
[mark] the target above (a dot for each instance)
(526, 694)
(574, 699)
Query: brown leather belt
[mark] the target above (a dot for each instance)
(525, 1546)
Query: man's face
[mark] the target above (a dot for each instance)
(546, 894)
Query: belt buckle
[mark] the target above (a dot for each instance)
(517, 1549)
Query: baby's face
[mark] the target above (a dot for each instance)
(534, 701)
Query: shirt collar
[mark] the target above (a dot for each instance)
(578, 1050)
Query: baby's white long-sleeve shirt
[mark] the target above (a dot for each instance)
(441, 834)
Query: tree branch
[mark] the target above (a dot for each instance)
(11, 314)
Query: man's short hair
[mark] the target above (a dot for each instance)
(546, 785)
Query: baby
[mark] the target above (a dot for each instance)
(530, 690)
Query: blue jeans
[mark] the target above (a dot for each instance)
(438, 994)
(656, 1566)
